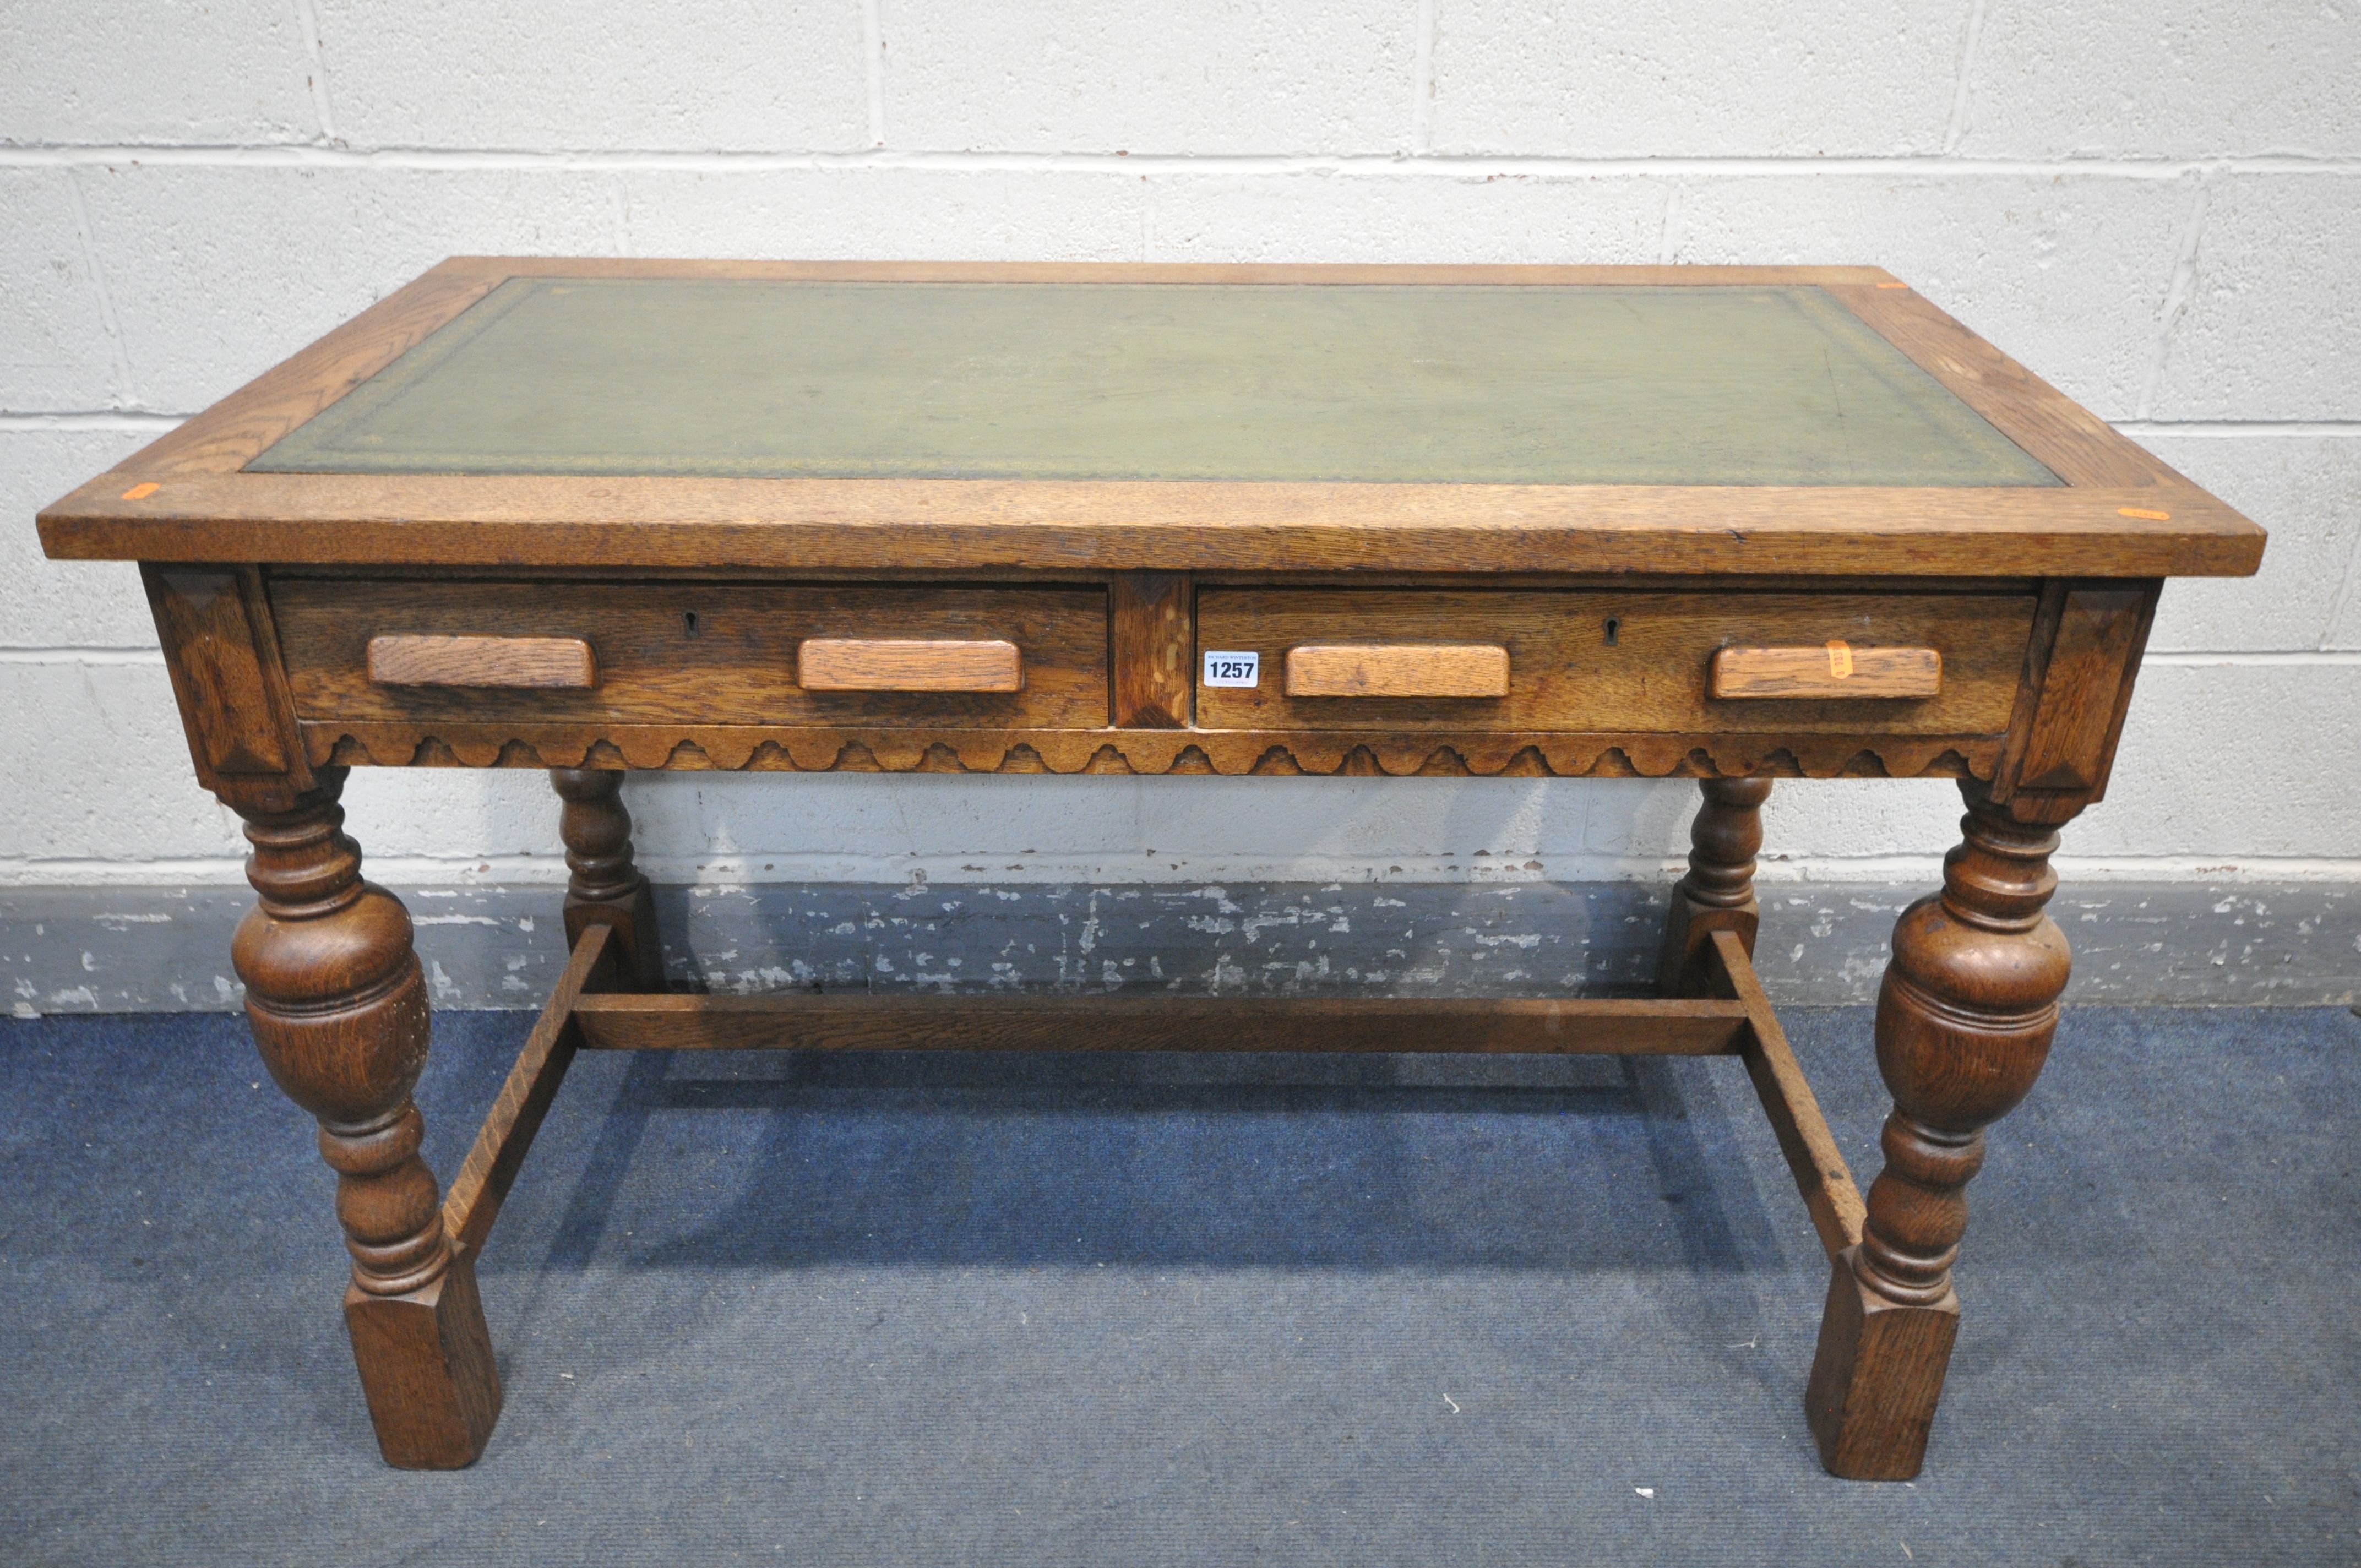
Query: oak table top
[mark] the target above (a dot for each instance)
(590, 516)
(1287, 419)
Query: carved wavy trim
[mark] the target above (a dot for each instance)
(1258, 752)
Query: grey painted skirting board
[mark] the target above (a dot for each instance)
(167, 950)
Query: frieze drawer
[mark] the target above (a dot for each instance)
(1602, 660)
(360, 651)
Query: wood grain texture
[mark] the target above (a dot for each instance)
(1965, 1021)
(523, 743)
(226, 437)
(1834, 670)
(2089, 662)
(1566, 673)
(220, 671)
(1717, 892)
(1397, 669)
(337, 1006)
(2077, 444)
(506, 1138)
(666, 665)
(2086, 740)
(907, 664)
(221, 649)
(547, 664)
(603, 887)
(1811, 1152)
(205, 510)
(997, 526)
(881, 1021)
(685, 651)
(1151, 638)
(1877, 1376)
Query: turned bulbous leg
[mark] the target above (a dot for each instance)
(605, 886)
(339, 1011)
(1717, 893)
(1963, 1025)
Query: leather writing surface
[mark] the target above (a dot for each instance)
(1504, 384)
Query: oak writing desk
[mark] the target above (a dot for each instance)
(1727, 523)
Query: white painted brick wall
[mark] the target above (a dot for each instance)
(2267, 317)
(746, 77)
(2309, 489)
(2156, 205)
(1147, 76)
(55, 349)
(2147, 79)
(2062, 270)
(221, 73)
(1560, 78)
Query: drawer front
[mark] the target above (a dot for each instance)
(1605, 661)
(365, 649)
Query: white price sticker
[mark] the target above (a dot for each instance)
(1232, 669)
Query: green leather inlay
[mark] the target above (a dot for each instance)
(1500, 384)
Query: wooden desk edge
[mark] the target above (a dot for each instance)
(209, 510)
(993, 527)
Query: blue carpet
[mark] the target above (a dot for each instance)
(1046, 1311)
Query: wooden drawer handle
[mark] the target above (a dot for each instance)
(885, 664)
(1834, 669)
(1397, 669)
(538, 663)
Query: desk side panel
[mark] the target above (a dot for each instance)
(221, 649)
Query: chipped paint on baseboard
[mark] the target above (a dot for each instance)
(167, 950)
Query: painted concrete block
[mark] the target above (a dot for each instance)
(2345, 626)
(224, 74)
(1072, 76)
(217, 269)
(778, 827)
(1547, 77)
(1827, 828)
(2065, 274)
(817, 828)
(109, 779)
(2271, 326)
(820, 828)
(974, 214)
(63, 604)
(425, 824)
(1317, 829)
(2163, 79)
(879, 828)
(2235, 763)
(55, 352)
(421, 824)
(148, 949)
(220, 272)
(2307, 491)
(1811, 827)
(138, 950)
(1382, 215)
(789, 75)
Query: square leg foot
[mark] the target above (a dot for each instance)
(426, 1367)
(638, 954)
(1876, 1378)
